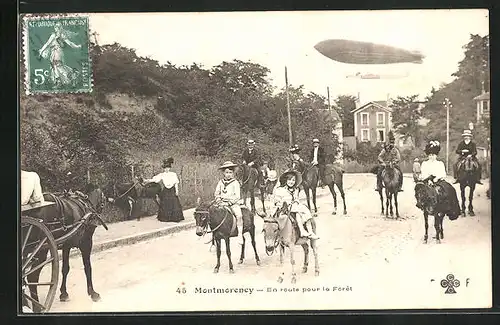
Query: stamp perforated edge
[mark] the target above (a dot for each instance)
(24, 40)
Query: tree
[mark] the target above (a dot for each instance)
(406, 115)
(475, 67)
(345, 104)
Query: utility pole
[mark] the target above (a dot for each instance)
(288, 110)
(328, 93)
(448, 105)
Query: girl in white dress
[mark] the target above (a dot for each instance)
(170, 206)
(288, 192)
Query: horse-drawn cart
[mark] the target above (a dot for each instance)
(36, 239)
(39, 256)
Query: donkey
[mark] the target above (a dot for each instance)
(222, 224)
(281, 230)
(125, 195)
(437, 200)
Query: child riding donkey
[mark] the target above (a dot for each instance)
(227, 192)
(389, 154)
(288, 192)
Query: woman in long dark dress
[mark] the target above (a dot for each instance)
(170, 209)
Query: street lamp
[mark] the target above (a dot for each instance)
(448, 105)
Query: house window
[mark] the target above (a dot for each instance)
(364, 119)
(485, 107)
(380, 119)
(380, 135)
(365, 134)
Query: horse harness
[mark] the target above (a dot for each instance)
(60, 220)
(205, 228)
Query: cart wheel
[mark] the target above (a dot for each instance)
(38, 252)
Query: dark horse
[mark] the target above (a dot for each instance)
(68, 212)
(222, 224)
(466, 177)
(391, 177)
(249, 181)
(438, 200)
(125, 195)
(310, 177)
(281, 230)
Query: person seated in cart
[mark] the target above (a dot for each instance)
(31, 196)
(31, 189)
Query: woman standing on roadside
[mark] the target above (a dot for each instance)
(170, 206)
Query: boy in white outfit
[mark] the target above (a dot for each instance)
(227, 192)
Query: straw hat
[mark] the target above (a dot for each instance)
(298, 177)
(315, 140)
(228, 164)
(467, 133)
(272, 176)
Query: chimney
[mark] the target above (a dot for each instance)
(358, 101)
(482, 88)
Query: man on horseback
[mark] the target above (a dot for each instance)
(251, 157)
(389, 153)
(467, 149)
(317, 157)
(227, 192)
(288, 192)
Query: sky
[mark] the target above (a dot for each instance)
(279, 39)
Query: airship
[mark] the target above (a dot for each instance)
(357, 52)
(359, 75)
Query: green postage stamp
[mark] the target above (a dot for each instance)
(56, 54)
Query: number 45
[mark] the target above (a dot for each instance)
(40, 75)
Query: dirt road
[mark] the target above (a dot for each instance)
(366, 262)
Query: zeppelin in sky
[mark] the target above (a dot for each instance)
(356, 52)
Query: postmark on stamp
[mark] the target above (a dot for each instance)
(56, 54)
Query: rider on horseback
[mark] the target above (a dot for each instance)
(294, 151)
(251, 157)
(433, 171)
(227, 191)
(467, 148)
(288, 192)
(317, 157)
(389, 154)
